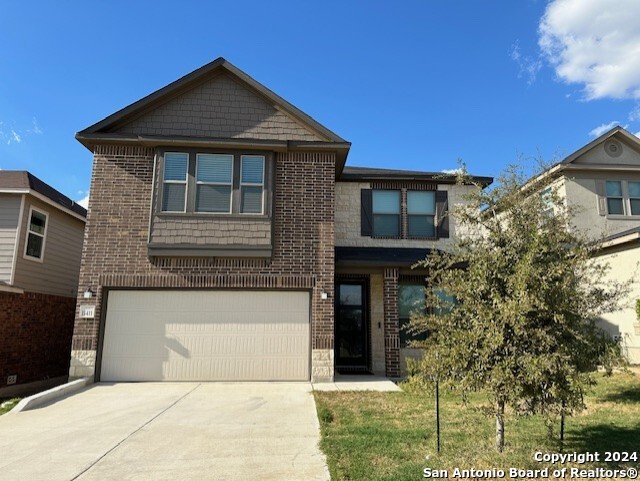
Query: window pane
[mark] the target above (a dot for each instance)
(421, 202)
(175, 166)
(173, 197)
(635, 206)
(411, 298)
(614, 206)
(386, 225)
(34, 245)
(350, 295)
(213, 198)
(421, 226)
(634, 189)
(252, 169)
(614, 188)
(386, 201)
(251, 200)
(38, 222)
(215, 168)
(448, 301)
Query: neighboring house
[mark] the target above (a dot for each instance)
(226, 240)
(41, 234)
(602, 180)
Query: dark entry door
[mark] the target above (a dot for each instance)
(351, 326)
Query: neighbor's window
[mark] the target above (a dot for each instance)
(174, 190)
(251, 184)
(214, 183)
(386, 213)
(615, 199)
(36, 232)
(421, 213)
(547, 202)
(411, 299)
(634, 197)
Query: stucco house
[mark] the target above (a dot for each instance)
(41, 235)
(227, 240)
(602, 179)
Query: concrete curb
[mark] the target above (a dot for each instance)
(57, 392)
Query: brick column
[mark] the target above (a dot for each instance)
(391, 323)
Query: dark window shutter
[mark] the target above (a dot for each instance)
(442, 213)
(366, 216)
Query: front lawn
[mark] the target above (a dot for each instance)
(391, 436)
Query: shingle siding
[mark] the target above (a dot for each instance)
(169, 229)
(220, 108)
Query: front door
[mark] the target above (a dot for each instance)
(351, 327)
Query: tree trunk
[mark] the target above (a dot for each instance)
(500, 426)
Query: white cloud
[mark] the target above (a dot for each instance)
(594, 44)
(529, 66)
(602, 128)
(14, 137)
(637, 134)
(84, 202)
(452, 171)
(35, 128)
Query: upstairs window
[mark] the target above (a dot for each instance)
(36, 233)
(214, 183)
(174, 189)
(615, 199)
(386, 213)
(547, 202)
(421, 213)
(251, 184)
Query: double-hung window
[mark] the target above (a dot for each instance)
(386, 213)
(174, 189)
(421, 213)
(214, 183)
(252, 184)
(623, 197)
(615, 199)
(36, 233)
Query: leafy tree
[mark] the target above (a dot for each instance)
(526, 295)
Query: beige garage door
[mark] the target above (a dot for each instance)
(206, 336)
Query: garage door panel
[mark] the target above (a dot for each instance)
(206, 335)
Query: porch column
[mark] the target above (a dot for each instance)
(391, 323)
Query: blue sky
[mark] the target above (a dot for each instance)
(416, 84)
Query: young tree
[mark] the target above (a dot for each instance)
(527, 293)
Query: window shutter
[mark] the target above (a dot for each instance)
(366, 204)
(602, 198)
(442, 213)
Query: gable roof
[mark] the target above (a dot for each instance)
(103, 130)
(357, 174)
(21, 181)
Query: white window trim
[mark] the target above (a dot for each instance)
(44, 236)
(184, 182)
(201, 182)
(251, 184)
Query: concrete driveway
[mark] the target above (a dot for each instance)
(167, 431)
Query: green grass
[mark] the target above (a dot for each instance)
(7, 405)
(388, 436)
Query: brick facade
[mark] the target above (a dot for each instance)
(35, 336)
(116, 238)
(391, 322)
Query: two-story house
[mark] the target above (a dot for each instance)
(226, 240)
(41, 234)
(601, 181)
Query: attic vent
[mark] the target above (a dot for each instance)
(613, 148)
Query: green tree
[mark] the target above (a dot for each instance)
(526, 295)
